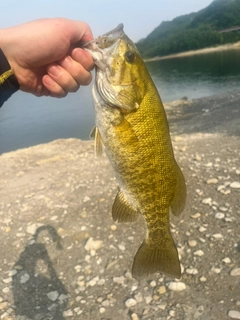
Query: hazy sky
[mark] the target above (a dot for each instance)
(140, 17)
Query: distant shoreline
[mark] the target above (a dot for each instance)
(235, 46)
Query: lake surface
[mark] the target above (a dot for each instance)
(26, 120)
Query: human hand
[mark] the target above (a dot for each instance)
(44, 56)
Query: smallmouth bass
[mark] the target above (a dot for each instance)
(132, 126)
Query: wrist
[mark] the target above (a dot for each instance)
(8, 81)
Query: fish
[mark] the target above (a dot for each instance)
(132, 128)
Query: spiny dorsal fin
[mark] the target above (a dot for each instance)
(122, 210)
(98, 147)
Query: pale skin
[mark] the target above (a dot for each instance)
(45, 55)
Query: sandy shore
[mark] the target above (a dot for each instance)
(234, 46)
(63, 257)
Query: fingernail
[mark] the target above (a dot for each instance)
(54, 71)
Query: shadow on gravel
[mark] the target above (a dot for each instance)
(38, 293)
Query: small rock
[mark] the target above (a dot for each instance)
(207, 201)
(203, 279)
(217, 236)
(138, 297)
(93, 244)
(161, 290)
(153, 284)
(148, 299)
(53, 295)
(234, 314)
(192, 243)
(216, 270)
(226, 260)
(130, 303)
(68, 313)
(212, 181)
(176, 286)
(86, 199)
(102, 310)
(235, 185)
(219, 215)
(198, 253)
(235, 272)
(196, 215)
(134, 316)
(119, 280)
(24, 278)
(202, 229)
(191, 271)
(105, 303)
(3, 305)
(33, 228)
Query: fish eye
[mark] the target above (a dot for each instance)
(129, 56)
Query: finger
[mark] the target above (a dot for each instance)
(62, 77)
(55, 90)
(77, 70)
(83, 57)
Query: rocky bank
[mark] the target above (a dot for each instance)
(63, 257)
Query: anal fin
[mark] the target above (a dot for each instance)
(98, 146)
(122, 210)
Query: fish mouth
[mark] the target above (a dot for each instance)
(98, 47)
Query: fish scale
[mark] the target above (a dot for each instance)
(132, 126)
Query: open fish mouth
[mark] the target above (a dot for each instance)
(106, 40)
(99, 47)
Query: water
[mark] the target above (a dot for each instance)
(26, 120)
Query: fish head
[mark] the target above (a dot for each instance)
(120, 70)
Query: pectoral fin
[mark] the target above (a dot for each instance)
(179, 199)
(98, 147)
(122, 210)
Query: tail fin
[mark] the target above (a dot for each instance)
(150, 259)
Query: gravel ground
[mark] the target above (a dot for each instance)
(63, 257)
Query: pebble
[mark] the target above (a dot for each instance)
(134, 316)
(207, 201)
(119, 280)
(93, 244)
(216, 270)
(196, 215)
(130, 303)
(202, 229)
(33, 228)
(219, 215)
(68, 313)
(176, 286)
(235, 185)
(161, 290)
(102, 310)
(212, 181)
(148, 299)
(192, 243)
(226, 260)
(3, 305)
(138, 297)
(234, 314)
(153, 284)
(53, 295)
(24, 278)
(198, 253)
(235, 272)
(203, 279)
(191, 271)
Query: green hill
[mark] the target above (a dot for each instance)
(194, 31)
